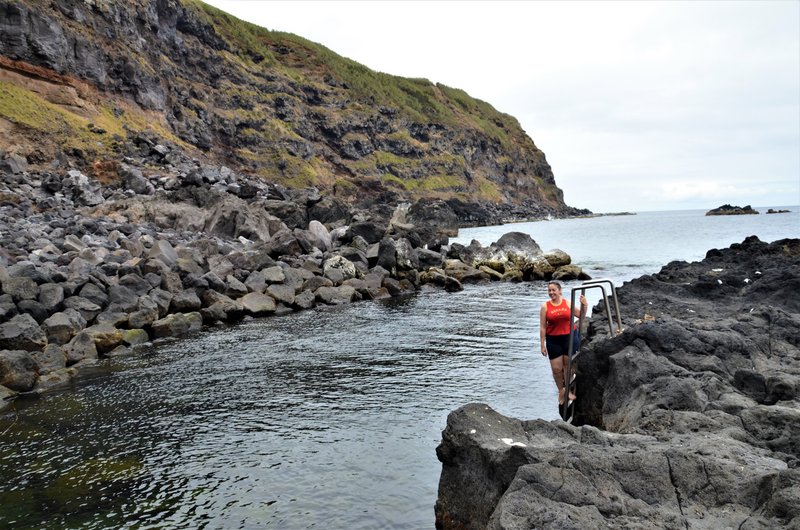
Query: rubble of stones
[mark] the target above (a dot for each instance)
(169, 245)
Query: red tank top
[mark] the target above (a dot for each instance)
(557, 318)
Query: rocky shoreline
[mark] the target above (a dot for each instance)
(91, 269)
(688, 419)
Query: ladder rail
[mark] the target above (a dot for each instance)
(613, 291)
(569, 380)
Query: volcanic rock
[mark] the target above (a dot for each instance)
(689, 418)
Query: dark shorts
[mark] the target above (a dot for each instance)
(557, 345)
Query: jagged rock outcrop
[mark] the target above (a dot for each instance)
(88, 83)
(689, 418)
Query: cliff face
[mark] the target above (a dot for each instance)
(88, 78)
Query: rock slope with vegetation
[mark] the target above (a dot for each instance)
(688, 419)
(88, 82)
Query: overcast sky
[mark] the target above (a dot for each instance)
(637, 105)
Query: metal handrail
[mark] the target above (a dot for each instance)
(569, 379)
(613, 296)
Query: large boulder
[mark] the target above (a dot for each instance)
(80, 348)
(186, 301)
(515, 251)
(21, 288)
(61, 327)
(134, 180)
(292, 214)
(50, 359)
(387, 254)
(219, 307)
(163, 251)
(557, 258)
(407, 255)
(569, 272)
(339, 268)
(177, 324)
(22, 332)
(88, 309)
(371, 232)
(105, 336)
(463, 272)
(429, 258)
(321, 233)
(437, 276)
(502, 473)
(342, 294)
(284, 243)
(434, 220)
(258, 303)
(282, 293)
(18, 370)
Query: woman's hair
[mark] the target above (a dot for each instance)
(555, 283)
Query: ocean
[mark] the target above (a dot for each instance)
(327, 418)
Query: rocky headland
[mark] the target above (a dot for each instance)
(727, 209)
(688, 419)
(96, 82)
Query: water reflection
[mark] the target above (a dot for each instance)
(323, 418)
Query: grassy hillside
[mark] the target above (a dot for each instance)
(418, 99)
(263, 102)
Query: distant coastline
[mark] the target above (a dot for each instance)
(607, 214)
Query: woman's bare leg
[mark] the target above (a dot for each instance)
(557, 365)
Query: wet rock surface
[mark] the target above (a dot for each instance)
(687, 419)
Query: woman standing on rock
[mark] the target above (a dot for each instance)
(554, 331)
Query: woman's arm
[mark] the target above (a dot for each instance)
(581, 311)
(543, 327)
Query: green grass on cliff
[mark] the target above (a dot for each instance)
(303, 60)
(24, 107)
(95, 135)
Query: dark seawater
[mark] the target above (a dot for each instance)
(321, 419)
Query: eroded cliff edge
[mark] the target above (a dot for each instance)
(90, 83)
(689, 420)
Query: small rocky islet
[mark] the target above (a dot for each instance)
(688, 419)
(727, 209)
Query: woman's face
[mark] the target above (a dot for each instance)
(553, 291)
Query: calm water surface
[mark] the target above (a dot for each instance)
(327, 418)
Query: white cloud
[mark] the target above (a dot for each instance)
(630, 101)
